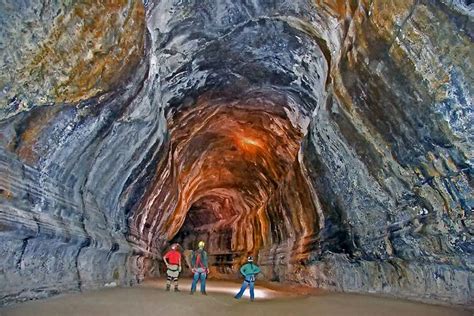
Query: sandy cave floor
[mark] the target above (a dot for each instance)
(150, 298)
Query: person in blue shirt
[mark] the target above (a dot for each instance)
(249, 271)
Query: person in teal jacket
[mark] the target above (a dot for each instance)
(249, 271)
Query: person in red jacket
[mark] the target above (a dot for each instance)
(172, 260)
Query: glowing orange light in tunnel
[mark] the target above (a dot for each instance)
(249, 141)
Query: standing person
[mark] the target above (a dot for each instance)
(249, 271)
(173, 267)
(200, 268)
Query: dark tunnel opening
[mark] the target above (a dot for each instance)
(235, 166)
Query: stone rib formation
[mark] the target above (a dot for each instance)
(332, 140)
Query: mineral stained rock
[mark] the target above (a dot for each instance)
(332, 140)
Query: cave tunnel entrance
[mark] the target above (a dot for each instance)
(233, 172)
(204, 223)
(240, 183)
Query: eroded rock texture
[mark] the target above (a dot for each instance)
(330, 139)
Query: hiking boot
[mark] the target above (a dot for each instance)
(176, 289)
(168, 288)
(203, 293)
(191, 293)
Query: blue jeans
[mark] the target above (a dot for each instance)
(199, 274)
(246, 283)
